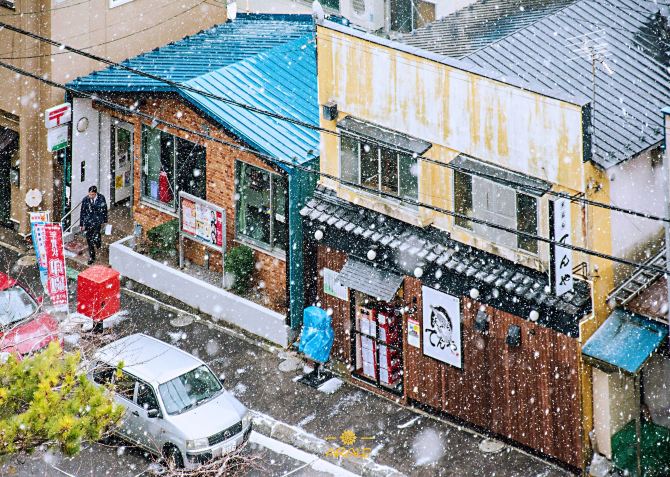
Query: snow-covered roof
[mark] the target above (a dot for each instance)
(552, 43)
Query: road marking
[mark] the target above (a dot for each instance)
(314, 461)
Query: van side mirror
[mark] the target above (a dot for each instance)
(153, 413)
(222, 378)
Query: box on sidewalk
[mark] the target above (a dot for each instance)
(98, 292)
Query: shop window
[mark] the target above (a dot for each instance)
(493, 202)
(169, 165)
(261, 207)
(377, 342)
(378, 168)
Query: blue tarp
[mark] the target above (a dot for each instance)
(317, 334)
(625, 340)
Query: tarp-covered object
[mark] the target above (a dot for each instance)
(317, 335)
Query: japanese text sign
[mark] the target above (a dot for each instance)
(55, 259)
(562, 272)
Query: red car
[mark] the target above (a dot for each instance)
(23, 328)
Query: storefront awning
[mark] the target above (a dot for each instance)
(521, 182)
(625, 341)
(378, 283)
(393, 139)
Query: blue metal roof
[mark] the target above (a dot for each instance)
(282, 80)
(625, 340)
(202, 53)
(262, 60)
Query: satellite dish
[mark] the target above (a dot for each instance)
(33, 198)
(317, 11)
(231, 10)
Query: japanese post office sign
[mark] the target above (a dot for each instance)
(55, 259)
(58, 115)
(562, 266)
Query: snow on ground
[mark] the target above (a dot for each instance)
(428, 447)
(314, 461)
(330, 386)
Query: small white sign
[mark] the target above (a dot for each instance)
(442, 326)
(413, 333)
(58, 115)
(332, 287)
(57, 138)
(563, 279)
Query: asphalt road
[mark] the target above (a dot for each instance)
(271, 457)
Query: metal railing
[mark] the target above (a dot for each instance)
(66, 216)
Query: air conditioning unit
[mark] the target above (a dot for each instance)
(368, 14)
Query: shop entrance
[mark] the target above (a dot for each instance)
(376, 341)
(9, 143)
(121, 162)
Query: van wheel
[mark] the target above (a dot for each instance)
(173, 457)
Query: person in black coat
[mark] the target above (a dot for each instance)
(93, 215)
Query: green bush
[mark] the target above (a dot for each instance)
(163, 237)
(240, 262)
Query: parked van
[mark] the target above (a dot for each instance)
(175, 406)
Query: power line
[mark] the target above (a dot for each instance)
(114, 40)
(179, 86)
(148, 117)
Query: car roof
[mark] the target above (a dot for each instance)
(148, 358)
(6, 281)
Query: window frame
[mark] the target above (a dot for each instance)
(116, 3)
(135, 381)
(398, 195)
(471, 228)
(175, 170)
(141, 383)
(240, 237)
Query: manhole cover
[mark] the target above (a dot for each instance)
(181, 321)
(26, 261)
(490, 446)
(290, 364)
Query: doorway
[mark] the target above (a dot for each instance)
(121, 162)
(9, 144)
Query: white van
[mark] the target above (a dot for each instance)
(175, 406)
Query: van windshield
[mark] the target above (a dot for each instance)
(189, 390)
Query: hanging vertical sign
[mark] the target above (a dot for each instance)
(442, 326)
(562, 257)
(37, 222)
(55, 260)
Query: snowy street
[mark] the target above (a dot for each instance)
(411, 443)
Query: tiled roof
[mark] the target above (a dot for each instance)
(202, 53)
(434, 248)
(265, 61)
(543, 49)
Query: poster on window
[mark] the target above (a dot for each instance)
(55, 259)
(442, 327)
(201, 220)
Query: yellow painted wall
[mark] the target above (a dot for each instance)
(458, 112)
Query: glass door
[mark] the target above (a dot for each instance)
(122, 161)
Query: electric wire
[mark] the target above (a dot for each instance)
(123, 109)
(572, 198)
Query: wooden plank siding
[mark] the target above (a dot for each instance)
(334, 260)
(529, 394)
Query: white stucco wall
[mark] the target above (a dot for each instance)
(636, 184)
(85, 148)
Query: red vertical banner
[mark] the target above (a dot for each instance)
(219, 228)
(55, 261)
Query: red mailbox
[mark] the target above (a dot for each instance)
(98, 292)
